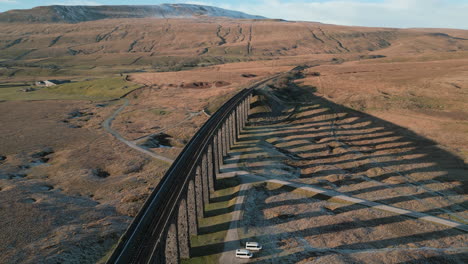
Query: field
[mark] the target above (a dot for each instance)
(395, 99)
(94, 90)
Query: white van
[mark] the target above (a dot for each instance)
(253, 246)
(243, 253)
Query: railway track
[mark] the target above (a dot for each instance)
(146, 231)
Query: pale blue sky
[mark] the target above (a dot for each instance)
(386, 13)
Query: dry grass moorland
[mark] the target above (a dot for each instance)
(379, 114)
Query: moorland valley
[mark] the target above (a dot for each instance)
(375, 113)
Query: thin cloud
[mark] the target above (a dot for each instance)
(385, 13)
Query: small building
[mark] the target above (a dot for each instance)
(48, 83)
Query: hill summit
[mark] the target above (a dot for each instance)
(77, 14)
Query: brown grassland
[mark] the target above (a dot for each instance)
(68, 189)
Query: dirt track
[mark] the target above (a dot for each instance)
(107, 124)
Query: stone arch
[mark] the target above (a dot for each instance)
(215, 157)
(172, 248)
(210, 169)
(199, 193)
(230, 130)
(204, 174)
(192, 209)
(183, 230)
(224, 138)
(220, 149)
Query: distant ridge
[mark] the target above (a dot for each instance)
(77, 14)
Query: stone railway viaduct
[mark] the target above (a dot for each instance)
(161, 231)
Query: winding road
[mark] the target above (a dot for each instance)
(107, 124)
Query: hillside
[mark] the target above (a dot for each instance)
(172, 44)
(76, 14)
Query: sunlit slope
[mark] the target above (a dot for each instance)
(165, 41)
(76, 14)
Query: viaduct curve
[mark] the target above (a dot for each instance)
(161, 231)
